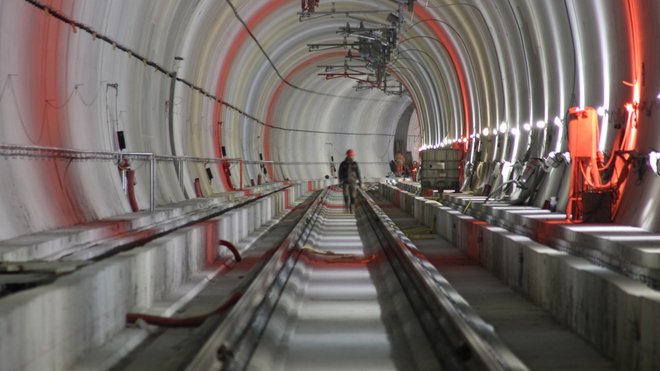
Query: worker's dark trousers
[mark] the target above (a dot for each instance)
(349, 194)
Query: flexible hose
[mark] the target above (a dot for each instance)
(130, 180)
(183, 322)
(232, 248)
(198, 188)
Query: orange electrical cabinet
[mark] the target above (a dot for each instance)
(582, 132)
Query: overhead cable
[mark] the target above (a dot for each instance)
(75, 25)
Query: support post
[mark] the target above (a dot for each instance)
(152, 182)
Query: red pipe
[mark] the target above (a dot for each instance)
(183, 322)
(130, 186)
(232, 248)
(198, 188)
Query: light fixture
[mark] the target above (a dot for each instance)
(654, 157)
(658, 96)
(557, 121)
(515, 131)
(600, 111)
(629, 107)
(503, 127)
(540, 124)
(527, 126)
(485, 132)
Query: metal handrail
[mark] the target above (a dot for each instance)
(15, 150)
(32, 151)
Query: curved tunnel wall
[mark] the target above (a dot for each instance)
(465, 67)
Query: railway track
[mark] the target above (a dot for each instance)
(345, 292)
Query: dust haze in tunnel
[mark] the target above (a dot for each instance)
(465, 67)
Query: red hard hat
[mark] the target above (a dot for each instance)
(350, 153)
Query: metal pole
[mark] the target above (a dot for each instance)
(152, 182)
(181, 173)
(170, 117)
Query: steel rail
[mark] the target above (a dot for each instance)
(230, 345)
(463, 339)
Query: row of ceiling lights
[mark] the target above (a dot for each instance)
(504, 127)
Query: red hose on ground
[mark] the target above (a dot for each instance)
(183, 322)
(232, 248)
(130, 186)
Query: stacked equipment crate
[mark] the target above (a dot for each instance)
(439, 170)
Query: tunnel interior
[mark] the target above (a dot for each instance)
(145, 146)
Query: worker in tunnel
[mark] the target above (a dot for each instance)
(349, 176)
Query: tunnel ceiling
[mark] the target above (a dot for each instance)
(463, 66)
